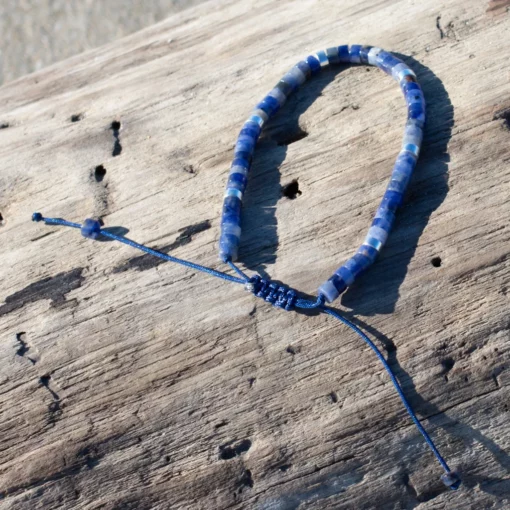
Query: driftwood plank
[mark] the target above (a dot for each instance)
(130, 384)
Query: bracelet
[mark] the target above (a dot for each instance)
(279, 295)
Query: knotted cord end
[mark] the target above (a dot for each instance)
(451, 480)
(277, 295)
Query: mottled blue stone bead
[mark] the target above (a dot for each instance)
(294, 78)
(414, 97)
(397, 185)
(408, 86)
(417, 114)
(231, 206)
(343, 53)
(323, 58)
(355, 265)
(382, 223)
(332, 288)
(241, 161)
(332, 54)
(305, 68)
(392, 199)
(368, 251)
(237, 181)
(91, 229)
(242, 157)
(229, 247)
(243, 148)
(253, 127)
(362, 262)
(345, 275)
(386, 61)
(246, 138)
(249, 132)
(234, 219)
(269, 104)
(285, 87)
(363, 54)
(315, 65)
(354, 53)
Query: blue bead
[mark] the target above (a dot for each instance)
(368, 251)
(382, 223)
(362, 262)
(346, 275)
(332, 54)
(231, 205)
(363, 54)
(343, 53)
(244, 149)
(387, 62)
(338, 282)
(354, 51)
(37, 216)
(243, 155)
(314, 64)
(234, 219)
(304, 67)
(229, 246)
(91, 229)
(253, 126)
(392, 199)
(269, 105)
(407, 86)
(237, 181)
(240, 160)
(354, 265)
(291, 81)
(250, 132)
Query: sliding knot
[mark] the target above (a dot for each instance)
(277, 295)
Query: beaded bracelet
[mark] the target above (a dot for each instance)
(377, 235)
(278, 295)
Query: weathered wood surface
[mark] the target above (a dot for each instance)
(130, 384)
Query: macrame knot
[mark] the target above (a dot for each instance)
(277, 295)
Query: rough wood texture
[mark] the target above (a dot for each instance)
(131, 384)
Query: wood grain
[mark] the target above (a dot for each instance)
(128, 384)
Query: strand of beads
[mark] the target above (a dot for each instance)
(377, 235)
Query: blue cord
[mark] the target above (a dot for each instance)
(277, 295)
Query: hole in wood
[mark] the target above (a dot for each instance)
(99, 173)
(247, 479)
(1, 220)
(230, 451)
(447, 364)
(76, 117)
(117, 147)
(436, 261)
(503, 115)
(4, 125)
(291, 190)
